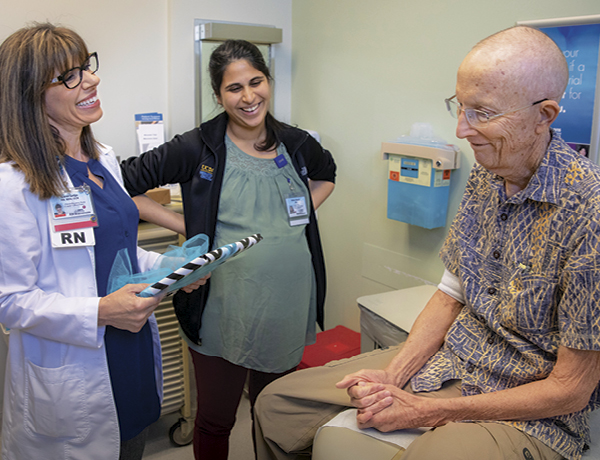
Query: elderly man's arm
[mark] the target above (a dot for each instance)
(425, 338)
(567, 389)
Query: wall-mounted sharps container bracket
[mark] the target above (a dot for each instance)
(419, 180)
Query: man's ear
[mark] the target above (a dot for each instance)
(549, 110)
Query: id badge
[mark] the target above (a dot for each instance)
(72, 218)
(297, 210)
(295, 203)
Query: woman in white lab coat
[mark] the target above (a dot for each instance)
(83, 376)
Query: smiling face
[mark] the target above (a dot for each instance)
(508, 145)
(245, 94)
(70, 110)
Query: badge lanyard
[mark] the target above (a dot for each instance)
(72, 217)
(295, 201)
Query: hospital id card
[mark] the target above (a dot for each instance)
(73, 210)
(297, 210)
(72, 218)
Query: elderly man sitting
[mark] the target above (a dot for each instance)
(505, 358)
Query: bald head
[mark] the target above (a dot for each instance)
(516, 79)
(521, 61)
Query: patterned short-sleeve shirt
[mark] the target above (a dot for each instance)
(529, 266)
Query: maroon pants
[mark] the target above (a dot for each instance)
(219, 385)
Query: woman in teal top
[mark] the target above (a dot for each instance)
(244, 322)
(241, 173)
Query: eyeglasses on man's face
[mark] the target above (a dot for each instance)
(479, 118)
(72, 77)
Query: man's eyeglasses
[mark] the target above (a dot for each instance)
(72, 77)
(478, 118)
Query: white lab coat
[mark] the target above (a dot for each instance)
(58, 402)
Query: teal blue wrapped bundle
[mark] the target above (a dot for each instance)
(177, 267)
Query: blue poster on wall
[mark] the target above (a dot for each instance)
(580, 45)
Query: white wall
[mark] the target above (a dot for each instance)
(146, 52)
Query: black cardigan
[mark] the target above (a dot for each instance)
(196, 160)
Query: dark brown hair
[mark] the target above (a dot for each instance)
(235, 50)
(29, 59)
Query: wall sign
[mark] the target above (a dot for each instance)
(579, 40)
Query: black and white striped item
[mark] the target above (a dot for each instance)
(212, 258)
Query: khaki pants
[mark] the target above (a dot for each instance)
(290, 410)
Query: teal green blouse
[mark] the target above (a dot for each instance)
(261, 309)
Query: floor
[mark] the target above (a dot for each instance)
(159, 447)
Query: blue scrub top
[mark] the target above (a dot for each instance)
(130, 355)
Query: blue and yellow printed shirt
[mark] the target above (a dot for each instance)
(529, 266)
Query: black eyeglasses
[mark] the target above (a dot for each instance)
(72, 77)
